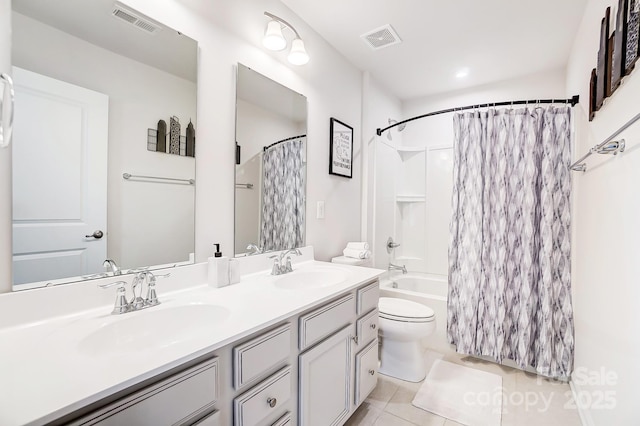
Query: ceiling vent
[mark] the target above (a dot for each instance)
(381, 37)
(132, 18)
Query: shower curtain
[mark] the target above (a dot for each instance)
(282, 219)
(509, 252)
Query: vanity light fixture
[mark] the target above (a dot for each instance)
(274, 40)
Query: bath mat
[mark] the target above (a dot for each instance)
(465, 395)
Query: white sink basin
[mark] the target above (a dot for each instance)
(310, 278)
(152, 329)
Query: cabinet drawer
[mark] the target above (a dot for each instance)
(324, 321)
(367, 328)
(368, 297)
(284, 421)
(256, 357)
(178, 399)
(366, 371)
(264, 399)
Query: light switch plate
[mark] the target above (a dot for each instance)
(320, 210)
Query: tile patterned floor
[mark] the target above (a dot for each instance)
(527, 399)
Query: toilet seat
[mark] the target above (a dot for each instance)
(402, 310)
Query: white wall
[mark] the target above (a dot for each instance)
(606, 252)
(332, 87)
(257, 128)
(142, 216)
(438, 130)
(5, 158)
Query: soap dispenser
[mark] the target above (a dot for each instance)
(218, 269)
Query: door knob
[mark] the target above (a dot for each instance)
(96, 234)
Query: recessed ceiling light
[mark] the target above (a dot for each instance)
(462, 73)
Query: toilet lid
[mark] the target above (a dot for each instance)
(404, 310)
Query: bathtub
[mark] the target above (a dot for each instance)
(429, 290)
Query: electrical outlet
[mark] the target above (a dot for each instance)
(320, 210)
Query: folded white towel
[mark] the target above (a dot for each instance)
(356, 254)
(358, 245)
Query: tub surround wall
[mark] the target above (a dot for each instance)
(378, 188)
(605, 220)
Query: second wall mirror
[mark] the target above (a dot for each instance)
(271, 151)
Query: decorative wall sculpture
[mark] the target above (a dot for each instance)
(617, 55)
(178, 144)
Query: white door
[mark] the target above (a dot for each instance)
(325, 381)
(59, 179)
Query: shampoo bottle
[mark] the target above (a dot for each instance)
(218, 269)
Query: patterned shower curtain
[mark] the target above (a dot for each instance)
(282, 221)
(509, 253)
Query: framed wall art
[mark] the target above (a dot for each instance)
(340, 149)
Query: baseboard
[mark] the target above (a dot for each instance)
(583, 412)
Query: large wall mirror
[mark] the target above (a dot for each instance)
(271, 142)
(95, 82)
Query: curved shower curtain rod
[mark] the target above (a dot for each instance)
(573, 101)
(283, 140)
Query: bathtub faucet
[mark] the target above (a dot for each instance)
(397, 267)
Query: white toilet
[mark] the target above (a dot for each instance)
(403, 324)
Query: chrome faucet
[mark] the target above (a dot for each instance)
(402, 268)
(123, 306)
(254, 249)
(278, 268)
(111, 266)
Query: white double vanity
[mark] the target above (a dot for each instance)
(296, 349)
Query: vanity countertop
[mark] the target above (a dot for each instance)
(53, 367)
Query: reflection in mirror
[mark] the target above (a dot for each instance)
(93, 80)
(271, 127)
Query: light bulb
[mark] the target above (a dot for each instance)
(273, 38)
(298, 54)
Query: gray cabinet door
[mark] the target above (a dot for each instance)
(325, 380)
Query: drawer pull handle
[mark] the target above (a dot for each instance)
(272, 402)
(373, 326)
(372, 372)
